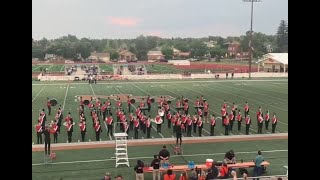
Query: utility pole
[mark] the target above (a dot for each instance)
(250, 38)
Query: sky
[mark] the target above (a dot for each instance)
(113, 19)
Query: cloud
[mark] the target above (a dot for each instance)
(124, 21)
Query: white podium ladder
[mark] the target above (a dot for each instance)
(121, 149)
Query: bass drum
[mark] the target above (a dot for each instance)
(53, 102)
(86, 102)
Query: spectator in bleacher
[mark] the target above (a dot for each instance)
(156, 168)
(257, 165)
(170, 175)
(107, 176)
(213, 172)
(223, 174)
(139, 170)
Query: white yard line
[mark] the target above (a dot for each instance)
(36, 68)
(65, 97)
(62, 68)
(39, 93)
(149, 157)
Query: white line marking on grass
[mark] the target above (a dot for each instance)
(173, 82)
(50, 67)
(62, 68)
(149, 157)
(39, 93)
(35, 68)
(65, 97)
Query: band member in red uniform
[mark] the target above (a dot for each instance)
(158, 121)
(126, 128)
(108, 104)
(118, 103)
(98, 130)
(233, 109)
(39, 132)
(201, 100)
(197, 102)
(195, 122)
(226, 123)
(186, 107)
(205, 110)
(131, 118)
(200, 112)
(231, 120)
(212, 124)
(81, 103)
(246, 110)
(248, 123)
(49, 106)
(55, 131)
(260, 123)
(118, 112)
(103, 110)
(189, 125)
(148, 126)
(223, 113)
(69, 131)
(143, 123)
(178, 104)
(267, 119)
(169, 119)
(44, 116)
(259, 112)
(173, 121)
(149, 103)
(225, 104)
(91, 107)
(98, 107)
(239, 120)
(200, 126)
(83, 130)
(183, 123)
(274, 122)
(138, 112)
(129, 103)
(109, 124)
(136, 128)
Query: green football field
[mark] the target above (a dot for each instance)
(92, 164)
(270, 94)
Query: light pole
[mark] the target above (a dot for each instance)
(250, 38)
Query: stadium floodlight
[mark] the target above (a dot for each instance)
(250, 40)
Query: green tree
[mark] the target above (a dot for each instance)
(282, 36)
(141, 47)
(167, 52)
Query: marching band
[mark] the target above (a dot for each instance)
(177, 117)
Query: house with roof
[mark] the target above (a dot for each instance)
(95, 56)
(127, 55)
(155, 55)
(274, 62)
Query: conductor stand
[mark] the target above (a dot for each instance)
(121, 148)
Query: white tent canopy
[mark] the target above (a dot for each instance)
(280, 57)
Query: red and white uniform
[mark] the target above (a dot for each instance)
(246, 108)
(141, 104)
(274, 120)
(248, 120)
(118, 104)
(148, 123)
(97, 127)
(169, 116)
(260, 119)
(82, 127)
(267, 117)
(200, 124)
(213, 121)
(158, 119)
(183, 119)
(136, 123)
(178, 104)
(223, 111)
(199, 112)
(39, 128)
(109, 120)
(131, 117)
(239, 117)
(205, 107)
(54, 128)
(226, 121)
(185, 106)
(173, 120)
(231, 117)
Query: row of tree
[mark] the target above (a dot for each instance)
(70, 46)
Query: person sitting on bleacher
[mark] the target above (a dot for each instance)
(229, 157)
